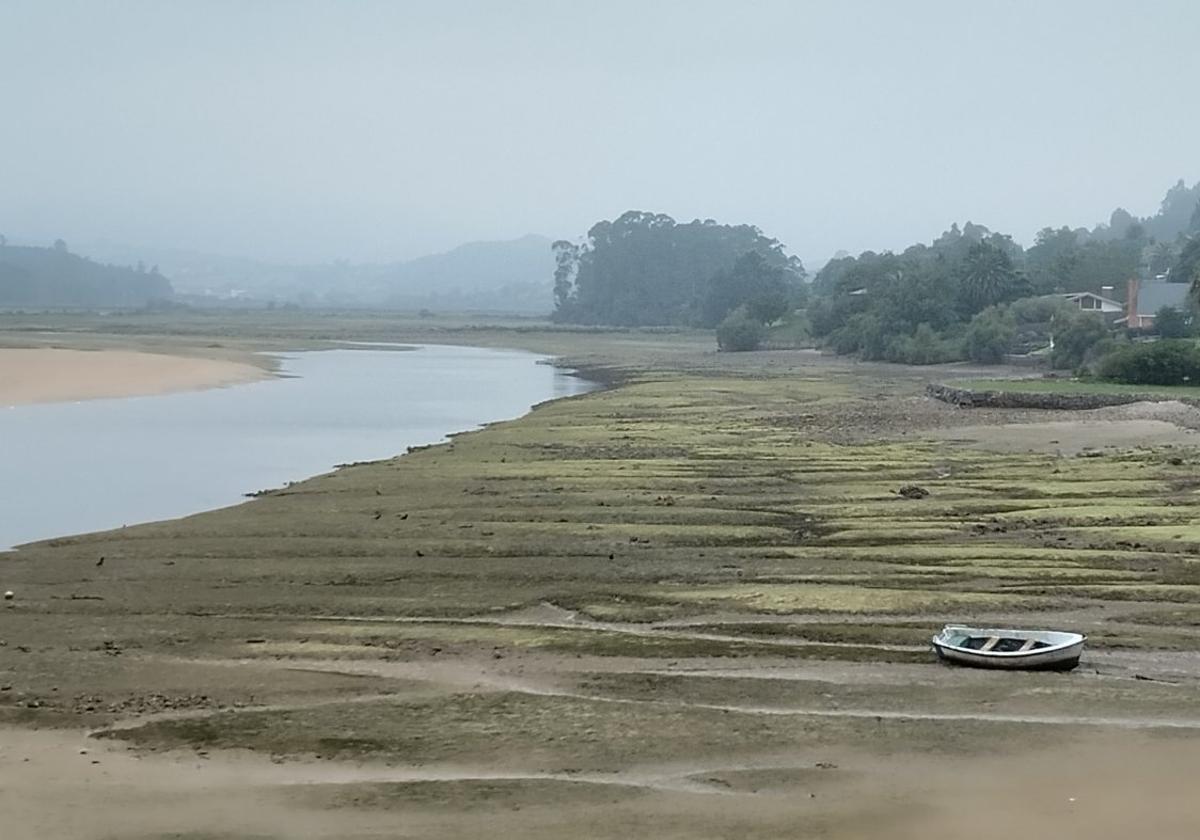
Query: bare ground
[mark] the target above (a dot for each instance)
(691, 606)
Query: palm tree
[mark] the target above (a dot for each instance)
(988, 277)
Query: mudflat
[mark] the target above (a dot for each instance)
(692, 605)
(38, 375)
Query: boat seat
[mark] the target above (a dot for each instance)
(990, 643)
(1029, 643)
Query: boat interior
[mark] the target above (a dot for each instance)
(997, 644)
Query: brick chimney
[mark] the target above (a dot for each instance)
(1131, 303)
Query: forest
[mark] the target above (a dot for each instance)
(54, 278)
(646, 269)
(972, 293)
(976, 294)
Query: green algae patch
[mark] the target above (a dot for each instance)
(815, 598)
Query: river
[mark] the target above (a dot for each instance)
(70, 468)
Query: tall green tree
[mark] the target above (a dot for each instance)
(1187, 267)
(646, 269)
(566, 260)
(988, 277)
(1176, 212)
(1160, 257)
(1052, 263)
(751, 283)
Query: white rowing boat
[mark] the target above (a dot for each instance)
(1028, 650)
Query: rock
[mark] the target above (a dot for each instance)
(8, 595)
(912, 491)
(966, 398)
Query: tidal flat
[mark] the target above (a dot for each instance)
(692, 603)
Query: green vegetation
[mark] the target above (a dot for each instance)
(646, 269)
(1187, 267)
(677, 476)
(990, 335)
(1166, 362)
(739, 331)
(1079, 337)
(975, 294)
(54, 278)
(1170, 322)
(624, 579)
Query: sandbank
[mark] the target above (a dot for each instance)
(41, 375)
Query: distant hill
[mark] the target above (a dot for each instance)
(518, 273)
(513, 276)
(54, 278)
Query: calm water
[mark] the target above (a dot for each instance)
(74, 467)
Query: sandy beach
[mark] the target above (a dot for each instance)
(40, 375)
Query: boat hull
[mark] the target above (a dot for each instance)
(1061, 659)
(1009, 649)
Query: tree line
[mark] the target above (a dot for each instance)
(975, 294)
(971, 293)
(646, 269)
(54, 278)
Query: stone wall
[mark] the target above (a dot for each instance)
(965, 398)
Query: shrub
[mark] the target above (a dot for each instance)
(862, 334)
(1164, 362)
(923, 347)
(1041, 310)
(740, 332)
(1078, 337)
(1170, 322)
(989, 336)
(792, 330)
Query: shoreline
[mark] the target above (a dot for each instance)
(274, 483)
(32, 376)
(695, 601)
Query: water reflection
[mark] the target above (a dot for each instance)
(77, 467)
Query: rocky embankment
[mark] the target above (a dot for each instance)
(967, 398)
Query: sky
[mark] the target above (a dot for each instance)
(374, 131)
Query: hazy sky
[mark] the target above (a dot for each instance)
(373, 131)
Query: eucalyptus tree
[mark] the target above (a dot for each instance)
(644, 269)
